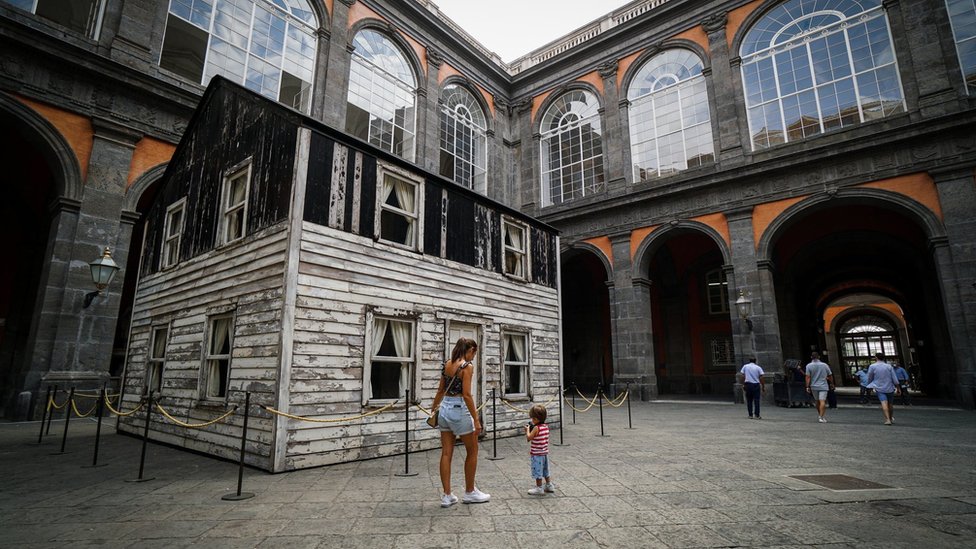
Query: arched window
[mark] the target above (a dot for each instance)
(267, 45)
(382, 95)
(812, 66)
(572, 148)
(670, 129)
(962, 14)
(464, 143)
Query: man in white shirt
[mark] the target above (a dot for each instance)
(753, 386)
(819, 380)
(882, 378)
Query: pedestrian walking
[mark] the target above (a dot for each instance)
(753, 386)
(538, 436)
(902, 375)
(819, 380)
(862, 379)
(882, 378)
(458, 417)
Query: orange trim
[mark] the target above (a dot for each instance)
(603, 242)
(696, 35)
(149, 153)
(358, 11)
(735, 19)
(328, 7)
(917, 186)
(419, 50)
(593, 78)
(622, 66)
(76, 130)
(764, 214)
(490, 99)
(833, 312)
(537, 101)
(718, 222)
(445, 71)
(637, 236)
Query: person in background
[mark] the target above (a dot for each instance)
(819, 380)
(538, 436)
(902, 375)
(862, 379)
(881, 378)
(753, 386)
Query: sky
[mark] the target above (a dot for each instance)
(513, 28)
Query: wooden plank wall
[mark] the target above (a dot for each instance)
(245, 278)
(341, 277)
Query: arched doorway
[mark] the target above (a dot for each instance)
(587, 349)
(861, 331)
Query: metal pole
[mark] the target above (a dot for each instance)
(98, 430)
(406, 440)
(67, 419)
(145, 440)
(630, 420)
(574, 403)
(494, 429)
(240, 468)
(47, 431)
(599, 394)
(47, 408)
(562, 419)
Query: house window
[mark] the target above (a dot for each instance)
(81, 16)
(670, 128)
(399, 211)
(814, 66)
(173, 231)
(391, 361)
(962, 15)
(515, 249)
(157, 359)
(572, 148)
(464, 141)
(718, 292)
(269, 46)
(515, 363)
(219, 344)
(234, 205)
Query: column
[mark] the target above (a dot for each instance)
(728, 106)
(631, 327)
(137, 25)
(320, 98)
(529, 199)
(339, 52)
(915, 29)
(955, 260)
(614, 150)
(501, 178)
(428, 134)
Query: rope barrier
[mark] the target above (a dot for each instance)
(55, 404)
(194, 425)
(331, 420)
(525, 411)
(79, 414)
(108, 403)
(425, 410)
(623, 397)
(568, 403)
(590, 402)
(95, 396)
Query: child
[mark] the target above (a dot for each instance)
(538, 436)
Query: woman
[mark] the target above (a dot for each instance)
(458, 417)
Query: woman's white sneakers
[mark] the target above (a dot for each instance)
(448, 500)
(475, 496)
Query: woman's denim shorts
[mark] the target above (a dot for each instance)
(454, 417)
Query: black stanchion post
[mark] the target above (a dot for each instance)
(406, 440)
(67, 419)
(147, 398)
(98, 429)
(240, 467)
(574, 403)
(630, 420)
(562, 419)
(47, 431)
(494, 429)
(47, 408)
(599, 394)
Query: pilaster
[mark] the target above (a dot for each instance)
(631, 326)
(340, 49)
(723, 82)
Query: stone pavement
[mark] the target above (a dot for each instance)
(689, 475)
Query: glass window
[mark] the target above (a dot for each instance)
(670, 126)
(381, 105)
(268, 46)
(172, 233)
(391, 362)
(812, 66)
(234, 205)
(718, 292)
(516, 245)
(157, 359)
(515, 363)
(962, 14)
(217, 358)
(81, 16)
(399, 211)
(572, 148)
(464, 141)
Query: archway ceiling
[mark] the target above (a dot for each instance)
(684, 250)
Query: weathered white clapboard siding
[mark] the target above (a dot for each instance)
(340, 277)
(247, 279)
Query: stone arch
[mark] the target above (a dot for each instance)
(645, 251)
(394, 35)
(915, 210)
(142, 183)
(57, 151)
(596, 251)
(748, 23)
(657, 49)
(558, 92)
(471, 88)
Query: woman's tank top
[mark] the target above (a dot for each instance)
(453, 385)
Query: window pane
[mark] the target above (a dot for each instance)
(77, 15)
(184, 49)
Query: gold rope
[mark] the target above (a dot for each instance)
(623, 397)
(586, 400)
(122, 414)
(517, 409)
(194, 425)
(330, 420)
(55, 404)
(425, 410)
(95, 396)
(79, 414)
(577, 409)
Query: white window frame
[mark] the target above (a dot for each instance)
(506, 249)
(956, 32)
(384, 171)
(231, 175)
(156, 364)
(172, 241)
(724, 292)
(210, 359)
(408, 364)
(506, 364)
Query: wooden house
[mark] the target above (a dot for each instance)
(327, 278)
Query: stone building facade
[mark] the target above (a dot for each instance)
(821, 165)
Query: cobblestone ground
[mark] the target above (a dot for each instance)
(687, 475)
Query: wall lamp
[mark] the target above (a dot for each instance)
(744, 306)
(103, 271)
